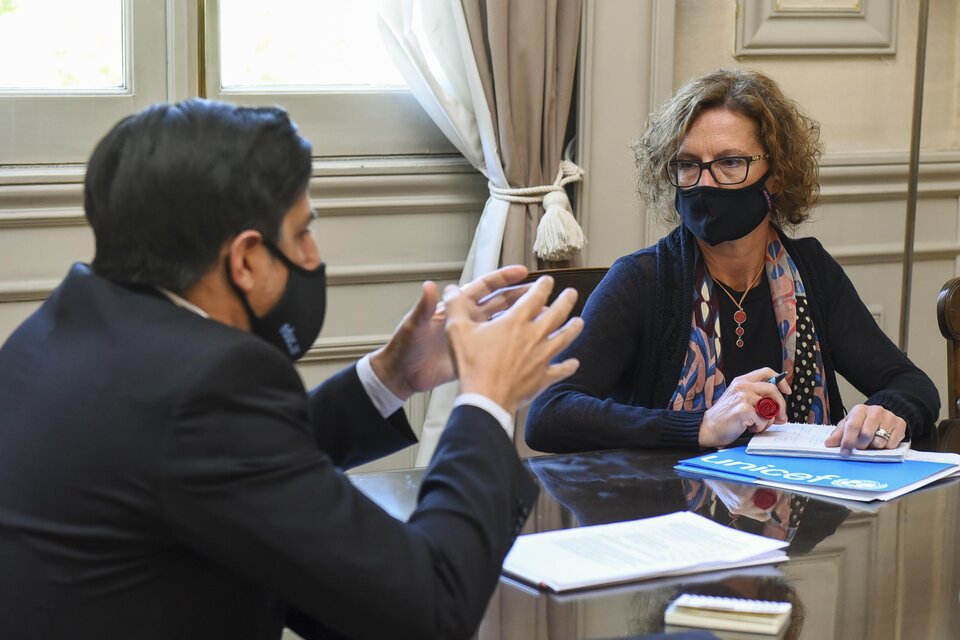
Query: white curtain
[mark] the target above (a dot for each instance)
(430, 44)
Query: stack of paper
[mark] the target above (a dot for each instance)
(674, 544)
(847, 479)
(728, 614)
(806, 441)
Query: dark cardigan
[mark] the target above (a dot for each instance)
(635, 338)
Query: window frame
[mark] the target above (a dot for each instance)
(339, 122)
(45, 127)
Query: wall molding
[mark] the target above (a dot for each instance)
(391, 273)
(615, 33)
(38, 204)
(865, 177)
(661, 51)
(26, 290)
(52, 196)
(893, 252)
(343, 348)
(809, 27)
(39, 290)
(41, 218)
(332, 166)
(397, 194)
(41, 174)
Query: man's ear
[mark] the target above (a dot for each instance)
(245, 254)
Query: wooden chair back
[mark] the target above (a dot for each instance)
(948, 315)
(583, 279)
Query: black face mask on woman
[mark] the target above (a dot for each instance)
(718, 215)
(295, 321)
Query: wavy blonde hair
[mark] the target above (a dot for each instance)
(790, 137)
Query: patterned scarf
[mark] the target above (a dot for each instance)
(701, 381)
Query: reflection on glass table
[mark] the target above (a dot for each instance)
(856, 570)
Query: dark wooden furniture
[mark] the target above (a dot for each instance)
(948, 316)
(583, 279)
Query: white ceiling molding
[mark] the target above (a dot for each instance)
(816, 27)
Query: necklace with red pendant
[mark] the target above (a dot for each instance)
(740, 316)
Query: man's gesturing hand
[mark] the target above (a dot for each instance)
(417, 357)
(508, 358)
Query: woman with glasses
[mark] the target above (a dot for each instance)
(683, 339)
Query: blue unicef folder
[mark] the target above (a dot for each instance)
(844, 478)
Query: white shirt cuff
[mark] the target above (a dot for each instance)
(381, 397)
(483, 402)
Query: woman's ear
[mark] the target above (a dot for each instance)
(774, 185)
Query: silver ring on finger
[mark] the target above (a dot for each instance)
(882, 433)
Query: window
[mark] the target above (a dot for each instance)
(68, 76)
(318, 45)
(323, 61)
(81, 51)
(79, 67)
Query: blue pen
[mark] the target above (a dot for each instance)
(777, 378)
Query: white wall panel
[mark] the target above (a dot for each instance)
(42, 253)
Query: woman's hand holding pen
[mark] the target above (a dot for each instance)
(736, 410)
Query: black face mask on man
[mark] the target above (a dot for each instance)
(718, 215)
(295, 321)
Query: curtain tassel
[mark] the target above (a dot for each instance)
(559, 236)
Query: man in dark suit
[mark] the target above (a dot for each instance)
(163, 473)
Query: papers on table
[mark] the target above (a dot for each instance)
(674, 544)
(806, 441)
(846, 479)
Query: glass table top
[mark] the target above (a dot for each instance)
(856, 570)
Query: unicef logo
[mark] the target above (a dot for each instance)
(862, 485)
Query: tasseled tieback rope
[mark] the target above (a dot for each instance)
(559, 237)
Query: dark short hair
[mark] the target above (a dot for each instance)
(166, 187)
(790, 137)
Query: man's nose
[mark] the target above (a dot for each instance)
(312, 254)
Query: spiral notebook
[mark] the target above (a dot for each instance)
(806, 441)
(728, 614)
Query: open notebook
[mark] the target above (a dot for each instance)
(806, 441)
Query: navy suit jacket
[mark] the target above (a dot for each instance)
(166, 476)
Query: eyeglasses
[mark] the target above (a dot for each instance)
(729, 170)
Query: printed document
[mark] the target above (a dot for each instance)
(673, 544)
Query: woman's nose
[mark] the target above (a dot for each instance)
(706, 178)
